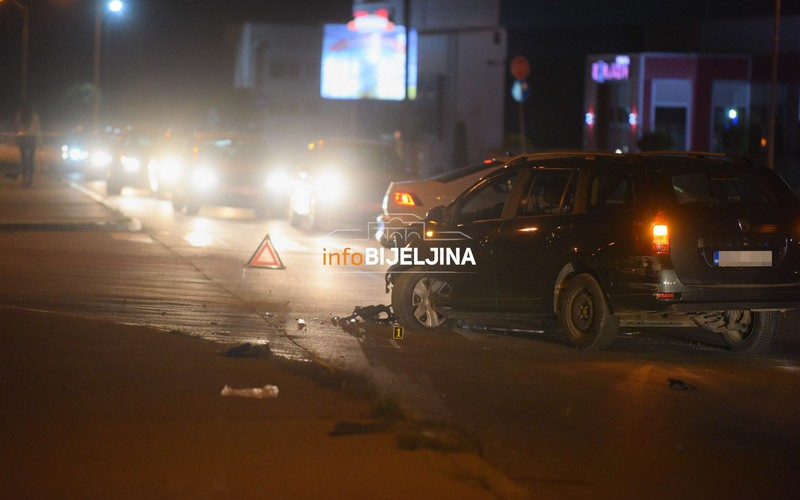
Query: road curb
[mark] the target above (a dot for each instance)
(133, 224)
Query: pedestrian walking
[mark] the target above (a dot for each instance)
(28, 131)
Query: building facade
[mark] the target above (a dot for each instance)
(454, 113)
(665, 101)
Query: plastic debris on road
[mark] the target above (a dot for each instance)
(679, 385)
(371, 314)
(266, 392)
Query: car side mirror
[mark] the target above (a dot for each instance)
(436, 215)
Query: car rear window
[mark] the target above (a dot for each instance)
(232, 149)
(357, 157)
(719, 188)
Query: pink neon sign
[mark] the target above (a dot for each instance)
(618, 70)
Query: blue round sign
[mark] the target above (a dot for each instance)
(520, 91)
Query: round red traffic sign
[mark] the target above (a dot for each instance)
(520, 67)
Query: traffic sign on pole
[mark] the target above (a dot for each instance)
(520, 91)
(520, 67)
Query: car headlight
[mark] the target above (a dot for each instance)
(100, 159)
(74, 153)
(131, 164)
(168, 169)
(278, 181)
(330, 186)
(204, 178)
(300, 194)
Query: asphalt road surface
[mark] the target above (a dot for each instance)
(563, 423)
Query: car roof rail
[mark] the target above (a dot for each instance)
(729, 157)
(562, 153)
(687, 154)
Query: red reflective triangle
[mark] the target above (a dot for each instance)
(266, 256)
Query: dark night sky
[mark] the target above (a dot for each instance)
(172, 55)
(163, 54)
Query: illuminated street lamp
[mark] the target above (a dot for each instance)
(113, 6)
(25, 29)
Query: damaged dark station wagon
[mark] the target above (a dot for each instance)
(602, 241)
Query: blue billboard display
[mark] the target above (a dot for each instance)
(369, 64)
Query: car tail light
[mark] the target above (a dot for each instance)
(660, 232)
(404, 199)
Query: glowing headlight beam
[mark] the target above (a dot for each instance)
(204, 178)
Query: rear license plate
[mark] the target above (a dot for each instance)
(743, 258)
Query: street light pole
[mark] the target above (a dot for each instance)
(98, 29)
(25, 35)
(113, 6)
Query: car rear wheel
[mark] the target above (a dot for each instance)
(585, 316)
(180, 204)
(192, 208)
(319, 218)
(113, 187)
(262, 211)
(749, 332)
(414, 297)
(297, 220)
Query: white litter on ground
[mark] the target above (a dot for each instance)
(266, 392)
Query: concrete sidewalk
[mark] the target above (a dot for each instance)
(53, 204)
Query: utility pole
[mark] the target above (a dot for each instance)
(773, 94)
(23, 94)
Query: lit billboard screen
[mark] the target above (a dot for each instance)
(367, 65)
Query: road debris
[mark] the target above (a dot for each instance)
(356, 428)
(370, 314)
(680, 385)
(266, 392)
(301, 324)
(248, 350)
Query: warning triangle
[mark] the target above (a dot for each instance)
(266, 256)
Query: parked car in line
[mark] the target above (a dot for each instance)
(85, 152)
(226, 168)
(166, 162)
(406, 202)
(603, 241)
(342, 181)
(130, 158)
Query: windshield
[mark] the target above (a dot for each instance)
(245, 150)
(356, 156)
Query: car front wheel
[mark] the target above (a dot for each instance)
(414, 300)
(585, 316)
